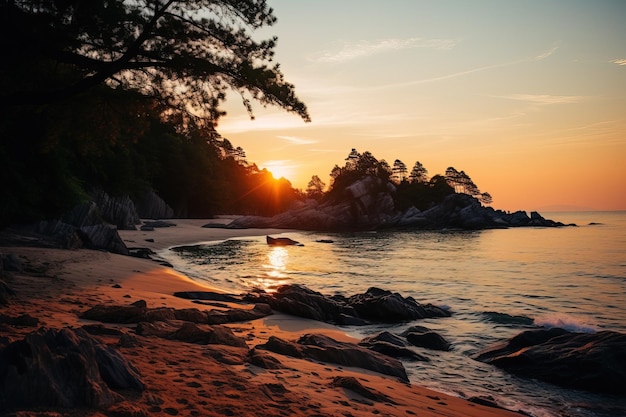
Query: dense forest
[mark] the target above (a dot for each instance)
(125, 97)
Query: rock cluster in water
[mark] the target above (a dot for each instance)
(375, 305)
(368, 205)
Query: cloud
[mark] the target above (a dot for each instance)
(547, 53)
(297, 141)
(619, 61)
(544, 99)
(354, 50)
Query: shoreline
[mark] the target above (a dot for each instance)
(55, 285)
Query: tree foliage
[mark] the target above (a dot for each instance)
(184, 54)
(124, 96)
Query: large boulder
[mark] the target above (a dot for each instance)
(151, 206)
(594, 362)
(63, 368)
(300, 301)
(118, 210)
(385, 306)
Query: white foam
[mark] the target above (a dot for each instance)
(563, 321)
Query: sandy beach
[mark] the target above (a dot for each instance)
(190, 379)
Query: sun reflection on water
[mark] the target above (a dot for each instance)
(275, 268)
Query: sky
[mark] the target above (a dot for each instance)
(527, 97)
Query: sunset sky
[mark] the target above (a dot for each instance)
(527, 97)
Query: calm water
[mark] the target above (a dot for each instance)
(571, 277)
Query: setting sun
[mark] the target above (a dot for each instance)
(279, 169)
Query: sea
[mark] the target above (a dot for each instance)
(496, 283)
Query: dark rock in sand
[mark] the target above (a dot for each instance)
(133, 313)
(391, 345)
(138, 312)
(426, 338)
(325, 349)
(208, 296)
(24, 320)
(263, 360)
(6, 293)
(353, 384)
(63, 368)
(191, 333)
(11, 263)
(592, 362)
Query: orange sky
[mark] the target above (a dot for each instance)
(528, 98)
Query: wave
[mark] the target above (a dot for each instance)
(503, 318)
(566, 322)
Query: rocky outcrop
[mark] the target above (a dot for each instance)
(325, 349)
(66, 368)
(119, 210)
(151, 206)
(374, 305)
(369, 204)
(593, 362)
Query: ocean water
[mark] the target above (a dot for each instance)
(570, 277)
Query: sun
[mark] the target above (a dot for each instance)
(279, 169)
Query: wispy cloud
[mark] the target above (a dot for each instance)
(354, 50)
(296, 140)
(544, 99)
(619, 61)
(547, 53)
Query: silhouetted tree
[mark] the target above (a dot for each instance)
(418, 174)
(399, 171)
(184, 54)
(315, 188)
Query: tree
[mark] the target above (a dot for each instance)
(418, 174)
(186, 55)
(315, 188)
(399, 171)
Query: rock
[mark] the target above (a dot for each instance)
(390, 345)
(151, 206)
(191, 333)
(428, 340)
(25, 320)
(6, 293)
(119, 210)
(208, 295)
(282, 347)
(592, 362)
(281, 241)
(263, 360)
(375, 304)
(159, 224)
(63, 368)
(103, 236)
(325, 349)
(300, 301)
(353, 384)
(133, 313)
(385, 306)
(11, 263)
